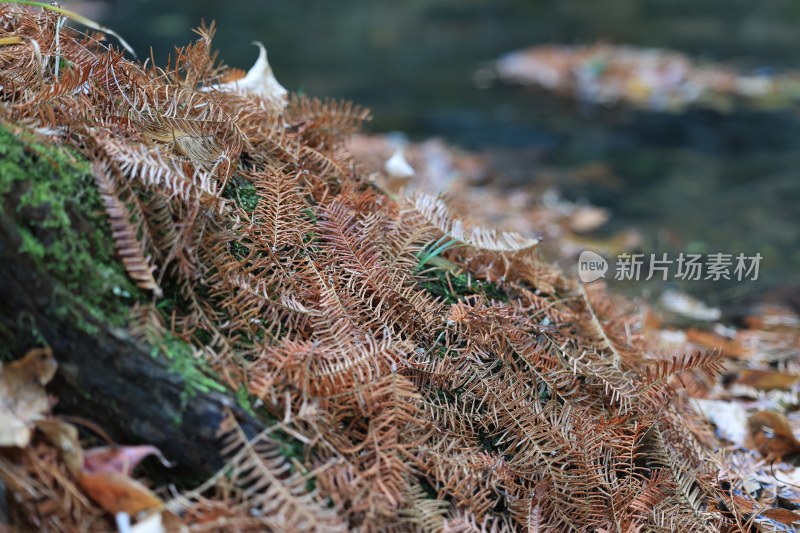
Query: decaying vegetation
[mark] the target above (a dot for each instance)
(413, 372)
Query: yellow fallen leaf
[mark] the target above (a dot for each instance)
(10, 39)
(118, 493)
(23, 398)
(709, 339)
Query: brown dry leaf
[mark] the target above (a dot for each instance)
(64, 436)
(740, 505)
(783, 516)
(766, 380)
(770, 434)
(774, 318)
(618, 243)
(708, 339)
(233, 74)
(118, 493)
(651, 320)
(23, 398)
(105, 478)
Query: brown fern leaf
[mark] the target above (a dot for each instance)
(469, 475)
(45, 497)
(351, 241)
(435, 211)
(320, 162)
(657, 374)
(137, 265)
(320, 371)
(279, 220)
(385, 440)
(324, 122)
(610, 325)
(264, 490)
(158, 171)
(423, 513)
(465, 522)
(70, 82)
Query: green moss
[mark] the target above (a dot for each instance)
(195, 371)
(245, 401)
(63, 225)
(452, 287)
(239, 250)
(30, 245)
(242, 192)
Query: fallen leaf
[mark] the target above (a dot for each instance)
(118, 493)
(64, 436)
(770, 434)
(588, 218)
(783, 516)
(397, 166)
(709, 339)
(233, 74)
(23, 398)
(766, 380)
(10, 39)
(259, 81)
(119, 459)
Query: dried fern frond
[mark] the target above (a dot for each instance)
(45, 497)
(159, 172)
(137, 265)
(324, 122)
(604, 322)
(263, 490)
(658, 373)
(465, 522)
(422, 513)
(279, 219)
(484, 376)
(435, 211)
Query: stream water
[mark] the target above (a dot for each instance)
(699, 181)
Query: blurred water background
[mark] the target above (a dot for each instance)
(699, 181)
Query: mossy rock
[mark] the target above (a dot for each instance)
(49, 190)
(63, 286)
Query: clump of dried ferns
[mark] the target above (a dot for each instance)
(533, 406)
